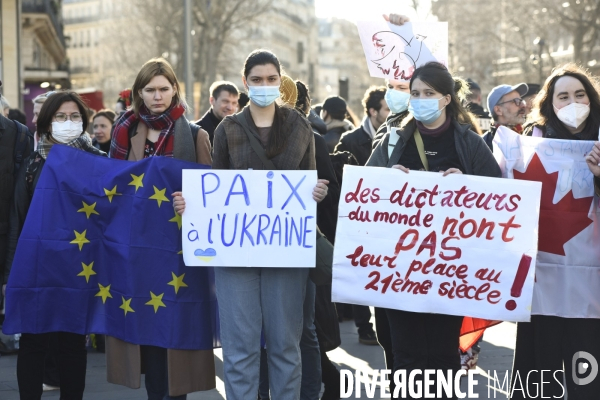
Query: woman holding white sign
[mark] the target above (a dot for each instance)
(568, 108)
(263, 136)
(437, 137)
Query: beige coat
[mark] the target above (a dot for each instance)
(189, 370)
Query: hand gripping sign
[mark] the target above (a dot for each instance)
(458, 245)
(249, 218)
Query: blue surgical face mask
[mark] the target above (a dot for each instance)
(396, 100)
(425, 110)
(263, 96)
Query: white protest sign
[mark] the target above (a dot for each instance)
(249, 218)
(394, 52)
(458, 245)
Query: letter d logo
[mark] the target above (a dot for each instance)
(583, 367)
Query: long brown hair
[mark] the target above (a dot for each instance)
(543, 109)
(155, 67)
(439, 78)
(278, 135)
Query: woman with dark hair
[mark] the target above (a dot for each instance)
(102, 123)
(62, 120)
(155, 126)
(567, 107)
(438, 119)
(269, 299)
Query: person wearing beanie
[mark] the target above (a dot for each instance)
(334, 114)
(508, 109)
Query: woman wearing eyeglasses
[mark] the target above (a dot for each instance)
(62, 120)
(508, 109)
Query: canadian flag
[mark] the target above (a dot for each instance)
(568, 262)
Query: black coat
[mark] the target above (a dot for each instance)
(209, 123)
(327, 209)
(488, 137)
(332, 137)
(14, 143)
(358, 142)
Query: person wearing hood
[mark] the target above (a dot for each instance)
(334, 113)
(359, 142)
(508, 109)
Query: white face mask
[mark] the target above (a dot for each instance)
(65, 132)
(573, 115)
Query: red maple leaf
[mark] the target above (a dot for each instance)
(559, 222)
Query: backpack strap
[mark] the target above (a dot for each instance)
(421, 149)
(254, 143)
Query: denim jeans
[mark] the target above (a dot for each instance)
(251, 299)
(157, 373)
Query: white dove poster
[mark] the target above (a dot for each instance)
(394, 52)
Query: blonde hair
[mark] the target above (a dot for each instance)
(155, 67)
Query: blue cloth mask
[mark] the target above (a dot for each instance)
(425, 110)
(263, 96)
(396, 100)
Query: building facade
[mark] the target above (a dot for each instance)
(342, 67)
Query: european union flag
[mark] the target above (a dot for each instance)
(100, 252)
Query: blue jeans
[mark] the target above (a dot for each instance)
(157, 374)
(251, 299)
(309, 349)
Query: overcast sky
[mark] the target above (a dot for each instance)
(354, 10)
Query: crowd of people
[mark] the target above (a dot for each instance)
(434, 110)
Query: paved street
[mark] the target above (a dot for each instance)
(496, 355)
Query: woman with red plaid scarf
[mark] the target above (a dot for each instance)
(155, 125)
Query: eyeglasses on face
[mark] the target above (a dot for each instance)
(518, 101)
(62, 117)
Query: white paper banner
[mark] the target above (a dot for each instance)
(249, 218)
(458, 245)
(394, 52)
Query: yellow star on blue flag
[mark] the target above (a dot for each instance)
(119, 250)
(159, 195)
